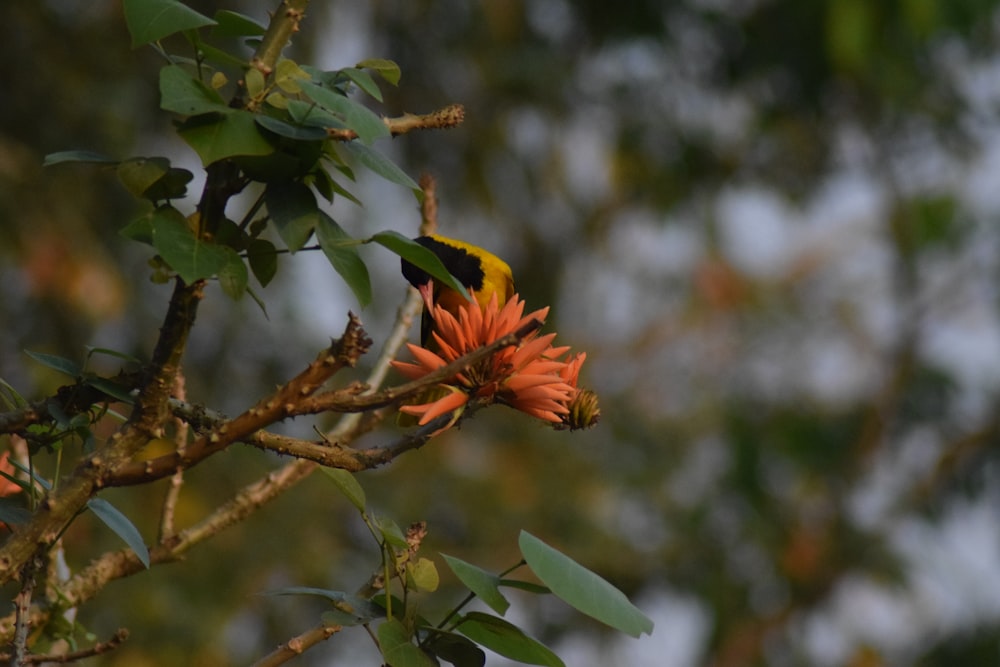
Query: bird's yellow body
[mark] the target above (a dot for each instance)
(476, 268)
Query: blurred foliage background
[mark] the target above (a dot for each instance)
(772, 225)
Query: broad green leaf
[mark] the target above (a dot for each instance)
(387, 69)
(311, 114)
(288, 75)
(277, 100)
(233, 276)
(581, 588)
(182, 93)
(348, 485)
(218, 136)
(217, 56)
(526, 586)
(140, 229)
(89, 157)
(297, 132)
(255, 83)
(484, 584)
(56, 363)
(122, 527)
(364, 81)
(111, 388)
(350, 609)
(397, 648)
(263, 258)
(456, 649)
(506, 639)
(323, 182)
(391, 533)
(153, 178)
(138, 173)
(172, 185)
(152, 20)
(422, 575)
(234, 24)
(357, 117)
(419, 256)
(342, 252)
(380, 164)
(191, 257)
(293, 210)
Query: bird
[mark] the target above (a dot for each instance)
(478, 269)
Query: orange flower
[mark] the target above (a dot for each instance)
(528, 376)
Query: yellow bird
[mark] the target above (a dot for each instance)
(474, 267)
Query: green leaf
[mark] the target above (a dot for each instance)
(234, 24)
(506, 639)
(191, 257)
(581, 588)
(484, 584)
(419, 256)
(526, 586)
(119, 523)
(297, 132)
(138, 173)
(387, 69)
(293, 210)
(357, 117)
(111, 388)
(255, 82)
(311, 114)
(350, 609)
(61, 364)
(456, 649)
(397, 648)
(422, 575)
(184, 94)
(153, 178)
(288, 76)
(172, 185)
(380, 164)
(11, 397)
(348, 485)
(391, 533)
(263, 257)
(89, 157)
(364, 81)
(140, 229)
(216, 136)
(233, 276)
(341, 250)
(152, 20)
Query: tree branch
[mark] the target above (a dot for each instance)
(447, 117)
(344, 352)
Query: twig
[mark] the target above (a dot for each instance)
(447, 117)
(342, 353)
(100, 648)
(22, 607)
(298, 645)
(177, 479)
